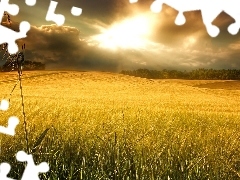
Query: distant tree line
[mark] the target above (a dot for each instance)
(32, 65)
(203, 74)
(27, 65)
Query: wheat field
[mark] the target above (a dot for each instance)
(104, 126)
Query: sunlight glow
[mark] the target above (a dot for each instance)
(189, 41)
(156, 7)
(133, 1)
(4, 105)
(130, 33)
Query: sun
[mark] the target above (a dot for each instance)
(129, 33)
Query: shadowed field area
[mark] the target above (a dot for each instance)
(114, 126)
(228, 85)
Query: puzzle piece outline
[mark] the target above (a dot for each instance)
(31, 171)
(13, 121)
(30, 2)
(4, 105)
(210, 10)
(4, 170)
(8, 35)
(59, 19)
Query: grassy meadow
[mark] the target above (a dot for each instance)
(111, 126)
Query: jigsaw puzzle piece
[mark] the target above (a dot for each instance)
(231, 7)
(9, 36)
(180, 19)
(4, 170)
(133, 1)
(10, 129)
(156, 7)
(31, 170)
(76, 11)
(4, 105)
(30, 2)
(234, 28)
(209, 9)
(12, 9)
(208, 16)
(59, 19)
(180, 6)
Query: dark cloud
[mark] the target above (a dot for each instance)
(180, 47)
(61, 48)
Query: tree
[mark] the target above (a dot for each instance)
(16, 62)
(31, 65)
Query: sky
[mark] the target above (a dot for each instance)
(115, 35)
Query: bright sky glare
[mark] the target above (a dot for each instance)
(127, 34)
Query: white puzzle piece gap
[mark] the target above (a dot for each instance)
(209, 10)
(59, 19)
(10, 129)
(12, 9)
(10, 36)
(4, 170)
(30, 2)
(76, 11)
(4, 105)
(133, 1)
(31, 171)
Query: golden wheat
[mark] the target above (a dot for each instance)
(113, 126)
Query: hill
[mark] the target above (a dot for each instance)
(115, 126)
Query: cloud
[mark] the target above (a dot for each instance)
(60, 47)
(169, 46)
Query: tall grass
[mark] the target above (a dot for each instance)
(109, 126)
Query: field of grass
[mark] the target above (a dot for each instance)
(111, 126)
